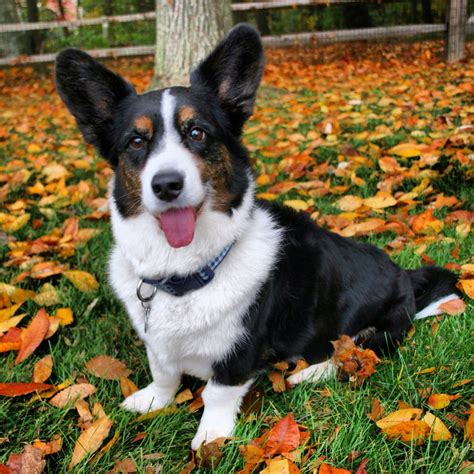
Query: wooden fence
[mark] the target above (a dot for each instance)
(455, 30)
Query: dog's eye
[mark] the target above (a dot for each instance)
(197, 134)
(137, 143)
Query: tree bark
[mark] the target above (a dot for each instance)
(456, 32)
(11, 44)
(426, 11)
(185, 33)
(35, 37)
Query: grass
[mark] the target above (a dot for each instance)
(337, 418)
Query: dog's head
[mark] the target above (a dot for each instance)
(176, 149)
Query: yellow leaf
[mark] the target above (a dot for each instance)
(90, 440)
(280, 466)
(439, 432)
(47, 296)
(65, 316)
(83, 281)
(8, 312)
(127, 387)
(399, 416)
(380, 201)
(468, 287)
(54, 171)
(469, 430)
(349, 203)
(16, 224)
(406, 150)
(42, 369)
(17, 295)
(297, 204)
(33, 148)
(441, 400)
(267, 196)
(11, 323)
(184, 396)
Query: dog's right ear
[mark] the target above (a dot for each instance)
(92, 93)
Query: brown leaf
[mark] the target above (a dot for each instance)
(29, 461)
(42, 369)
(33, 335)
(16, 389)
(90, 440)
(127, 387)
(278, 381)
(209, 455)
(253, 456)
(72, 394)
(357, 362)
(124, 466)
(106, 367)
(183, 396)
(377, 410)
(83, 281)
(49, 447)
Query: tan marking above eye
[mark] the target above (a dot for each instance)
(144, 124)
(186, 113)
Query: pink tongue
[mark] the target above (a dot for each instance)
(178, 226)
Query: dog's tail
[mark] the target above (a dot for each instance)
(432, 286)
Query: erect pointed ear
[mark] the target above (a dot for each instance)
(92, 93)
(233, 72)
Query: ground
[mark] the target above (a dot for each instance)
(388, 125)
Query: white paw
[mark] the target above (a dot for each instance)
(145, 400)
(207, 433)
(313, 373)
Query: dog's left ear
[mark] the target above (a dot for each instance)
(233, 72)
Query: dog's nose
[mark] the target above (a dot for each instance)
(167, 185)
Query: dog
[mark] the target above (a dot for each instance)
(217, 284)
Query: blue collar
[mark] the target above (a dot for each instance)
(179, 286)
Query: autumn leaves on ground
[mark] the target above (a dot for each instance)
(373, 143)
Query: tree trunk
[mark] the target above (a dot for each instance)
(185, 33)
(34, 37)
(456, 32)
(10, 43)
(426, 11)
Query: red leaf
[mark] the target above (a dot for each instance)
(16, 389)
(33, 335)
(283, 437)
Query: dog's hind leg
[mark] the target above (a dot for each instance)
(314, 373)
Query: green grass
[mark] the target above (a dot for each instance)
(338, 423)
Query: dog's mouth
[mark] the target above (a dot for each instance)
(178, 225)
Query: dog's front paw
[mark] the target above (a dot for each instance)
(146, 400)
(208, 432)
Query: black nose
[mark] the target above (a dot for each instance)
(167, 185)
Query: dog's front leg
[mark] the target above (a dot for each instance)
(160, 392)
(221, 406)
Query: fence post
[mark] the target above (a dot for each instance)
(456, 30)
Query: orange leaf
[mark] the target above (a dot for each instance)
(469, 429)
(380, 201)
(280, 466)
(376, 411)
(277, 380)
(106, 367)
(456, 306)
(399, 416)
(16, 389)
(9, 312)
(127, 387)
(42, 369)
(426, 223)
(90, 440)
(183, 396)
(349, 203)
(327, 469)
(72, 394)
(33, 335)
(83, 281)
(441, 400)
(468, 287)
(367, 227)
(415, 431)
(49, 447)
(283, 437)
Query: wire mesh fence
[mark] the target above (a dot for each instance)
(35, 32)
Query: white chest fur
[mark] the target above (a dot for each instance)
(192, 332)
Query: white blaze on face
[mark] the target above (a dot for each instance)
(171, 155)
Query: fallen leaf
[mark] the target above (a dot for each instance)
(209, 455)
(415, 431)
(33, 335)
(183, 396)
(106, 367)
(280, 466)
(11, 323)
(124, 466)
(381, 200)
(127, 387)
(469, 429)
(278, 381)
(42, 369)
(83, 281)
(376, 411)
(327, 469)
(283, 437)
(15, 389)
(47, 296)
(65, 316)
(441, 400)
(297, 204)
(439, 432)
(7, 313)
(49, 447)
(72, 394)
(452, 307)
(468, 287)
(349, 203)
(29, 461)
(399, 416)
(90, 440)
(406, 150)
